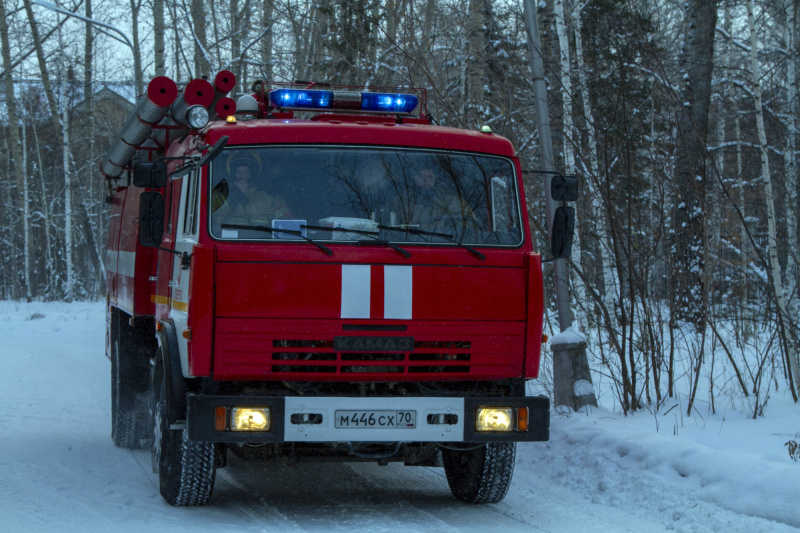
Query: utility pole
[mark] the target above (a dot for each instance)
(572, 380)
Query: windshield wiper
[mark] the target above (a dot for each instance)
(371, 234)
(444, 236)
(267, 229)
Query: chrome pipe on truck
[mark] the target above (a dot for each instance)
(196, 92)
(224, 82)
(150, 109)
(223, 108)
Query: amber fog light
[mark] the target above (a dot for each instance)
(250, 419)
(495, 419)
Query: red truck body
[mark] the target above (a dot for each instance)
(236, 318)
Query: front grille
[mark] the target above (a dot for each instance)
(295, 356)
(307, 350)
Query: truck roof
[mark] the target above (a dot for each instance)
(358, 130)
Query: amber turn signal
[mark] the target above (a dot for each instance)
(522, 419)
(220, 419)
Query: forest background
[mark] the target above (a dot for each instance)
(680, 117)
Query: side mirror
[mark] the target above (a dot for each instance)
(564, 188)
(151, 219)
(150, 174)
(563, 232)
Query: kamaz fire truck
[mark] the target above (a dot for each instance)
(319, 273)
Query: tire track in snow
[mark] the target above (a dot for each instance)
(255, 512)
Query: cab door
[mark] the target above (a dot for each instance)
(185, 239)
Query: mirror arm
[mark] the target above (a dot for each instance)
(186, 257)
(550, 172)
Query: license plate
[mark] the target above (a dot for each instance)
(375, 419)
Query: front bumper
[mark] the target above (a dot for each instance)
(438, 419)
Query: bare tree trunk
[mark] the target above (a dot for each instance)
(176, 42)
(67, 208)
(137, 51)
(13, 130)
(476, 60)
(320, 55)
(236, 43)
(158, 38)
(26, 216)
(393, 13)
(46, 82)
(569, 155)
(696, 65)
(775, 275)
(789, 153)
(267, 8)
(50, 265)
(744, 242)
(610, 278)
(200, 47)
(88, 76)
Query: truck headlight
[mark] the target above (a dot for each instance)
(250, 419)
(495, 419)
(197, 117)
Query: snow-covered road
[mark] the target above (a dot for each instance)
(59, 470)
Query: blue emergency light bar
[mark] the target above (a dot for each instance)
(308, 99)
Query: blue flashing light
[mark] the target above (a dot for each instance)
(302, 99)
(370, 102)
(388, 103)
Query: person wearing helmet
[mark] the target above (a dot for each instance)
(240, 199)
(438, 205)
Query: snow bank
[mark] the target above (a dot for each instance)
(739, 465)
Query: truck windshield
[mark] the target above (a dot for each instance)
(400, 195)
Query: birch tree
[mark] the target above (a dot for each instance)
(267, 14)
(158, 38)
(610, 280)
(790, 162)
(200, 47)
(774, 266)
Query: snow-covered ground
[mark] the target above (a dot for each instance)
(601, 471)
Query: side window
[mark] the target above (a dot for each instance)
(190, 209)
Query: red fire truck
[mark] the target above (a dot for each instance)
(321, 275)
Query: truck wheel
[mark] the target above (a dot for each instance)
(185, 468)
(480, 475)
(129, 424)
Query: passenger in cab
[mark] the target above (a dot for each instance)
(241, 198)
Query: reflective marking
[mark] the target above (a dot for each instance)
(164, 300)
(397, 292)
(111, 260)
(126, 264)
(355, 291)
(126, 305)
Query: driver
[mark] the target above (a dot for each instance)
(437, 206)
(241, 200)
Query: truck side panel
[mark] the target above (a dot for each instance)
(533, 341)
(112, 250)
(135, 263)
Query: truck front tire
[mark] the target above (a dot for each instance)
(482, 474)
(186, 469)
